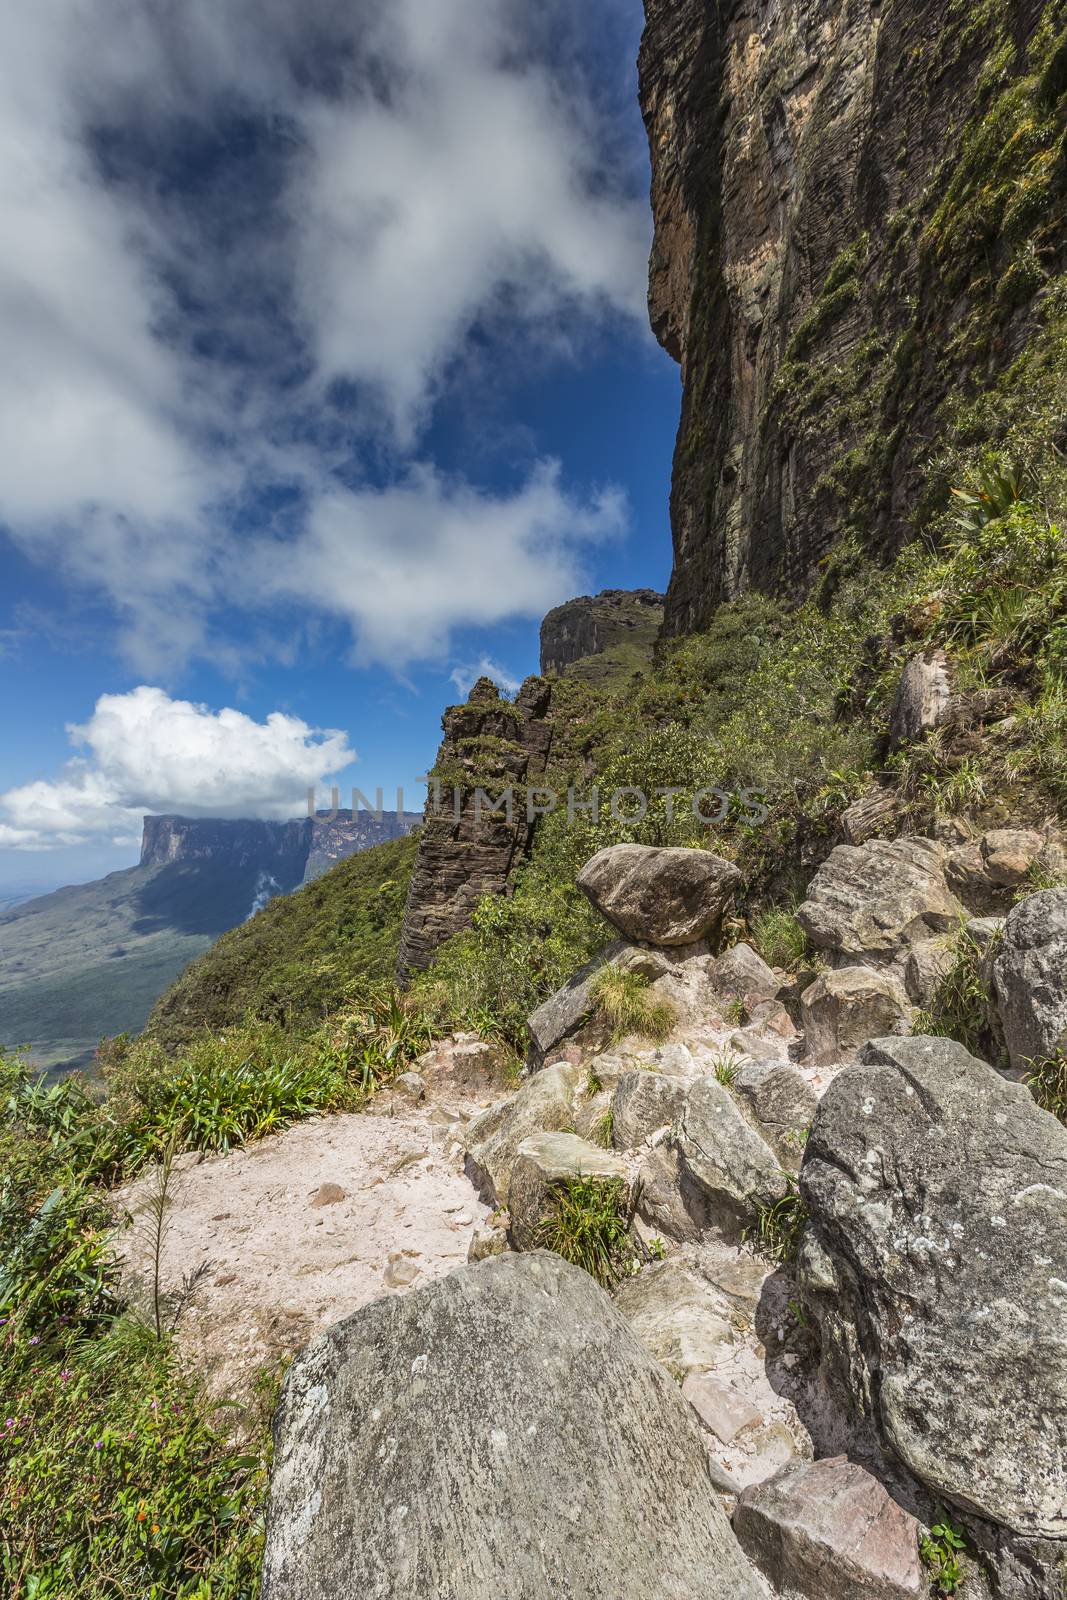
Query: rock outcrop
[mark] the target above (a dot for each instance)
(1030, 975)
(468, 846)
(502, 1432)
(623, 623)
(869, 904)
(801, 273)
(845, 1008)
(665, 897)
(935, 1264)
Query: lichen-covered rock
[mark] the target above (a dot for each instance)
(780, 1097)
(644, 1102)
(491, 1141)
(500, 1432)
(1030, 976)
(935, 1263)
(868, 904)
(844, 1008)
(547, 1159)
(827, 1530)
(736, 1169)
(660, 896)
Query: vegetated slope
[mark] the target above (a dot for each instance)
(294, 961)
(90, 960)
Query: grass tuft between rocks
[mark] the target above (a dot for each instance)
(626, 1002)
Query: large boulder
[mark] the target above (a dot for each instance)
(643, 1103)
(868, 904)
(827, 1530)
(500, 1432)
(491, 1141)
(731, 1165)
(935, 1263)
(1030, 978)
(547, 1160)
(844, 1008)
(780, 1097)
(660, 896)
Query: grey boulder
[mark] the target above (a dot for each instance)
(1030, 978)
(732, 1166)
(501, 1432)
(561, 1016)
(868, 904)
(781, 1098)
(935, 1263)
(491, 1141)
(660, 896)
(643, 1103)
(827, 1530)
(740, 973)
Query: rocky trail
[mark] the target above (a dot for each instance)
(847, 1266)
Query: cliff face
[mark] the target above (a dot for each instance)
(289, 853)
(466, 850)
(614, 620)
(844, 249)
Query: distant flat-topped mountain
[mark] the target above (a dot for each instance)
(91, 961)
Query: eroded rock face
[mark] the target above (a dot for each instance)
(500, 1433)
(660, 896)
(936, 1265)
(868, 904)
(827, 1530)
(843, 1009)
(776, 134)
(594, 624)
(1030, 974)
(740, 972)
(564, 1013)
(466, 849)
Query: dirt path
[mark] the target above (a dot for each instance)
(298, 1231)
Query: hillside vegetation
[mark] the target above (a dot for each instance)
(297, 959)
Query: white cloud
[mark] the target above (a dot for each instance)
(433, 172)
(405, 565)
(464, 678)
(148, 753)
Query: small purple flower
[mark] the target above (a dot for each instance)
(65, 1376)
(10, 1423)
(35, 1340)
(99, 1445)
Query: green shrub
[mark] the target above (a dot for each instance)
(780, 939)
(779, 1227)
(626, 1002)
(943, 1551)
(1047, 1081)
(589, 1224)
(961, 1007)
(116, 1480)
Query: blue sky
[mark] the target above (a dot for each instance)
(327, 372)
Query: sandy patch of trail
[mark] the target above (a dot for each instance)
(294, 1233)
